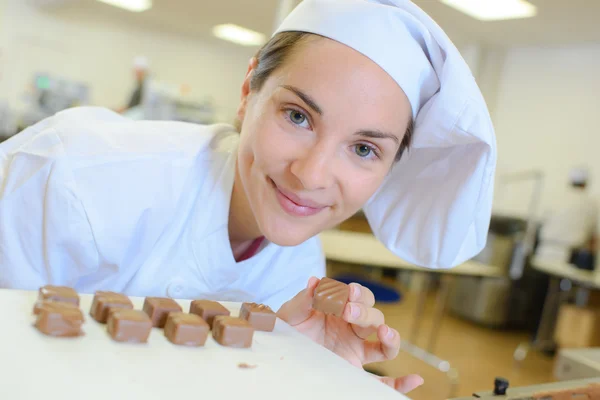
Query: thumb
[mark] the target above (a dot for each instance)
(299, 308)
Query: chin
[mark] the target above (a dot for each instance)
(286, 237)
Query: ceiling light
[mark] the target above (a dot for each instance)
(490, 10)
(130, 5)
(238, 35)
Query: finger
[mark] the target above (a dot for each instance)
(404, 384)
(361, 294)
(363, 333)
(386, 348)
(361, 315)
(299, 308)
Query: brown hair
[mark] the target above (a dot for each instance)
(276, 52)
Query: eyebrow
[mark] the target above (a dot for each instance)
(377, 134)
(305, 98)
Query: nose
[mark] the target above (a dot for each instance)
(314, 167)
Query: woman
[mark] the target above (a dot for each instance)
(352, 104)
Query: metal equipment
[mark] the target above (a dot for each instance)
(53, 94)
(586, 389)
(502, 301)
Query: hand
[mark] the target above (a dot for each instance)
(346, 335)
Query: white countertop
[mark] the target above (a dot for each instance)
(93, 367)
(568, 271)
(364, 248)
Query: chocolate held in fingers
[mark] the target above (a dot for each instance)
(331, 296)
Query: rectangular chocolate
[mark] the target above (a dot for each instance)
(186, 329)
(59, 319)
(208, 310)
(58, 293)
(126, 325)
(232, 332)
(260, 316)
(105, 301)
(331, 297)
(158, 308)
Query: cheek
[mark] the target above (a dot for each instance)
(272, 145)
(357, 187)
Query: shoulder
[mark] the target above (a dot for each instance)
(105, 147)
(91, 131)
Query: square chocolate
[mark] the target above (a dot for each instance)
(58, 293)
(208, 310)
(186, 329)
(158, 308)
(331, 296)
(232, 332)
(104, 301)
(260, 316)
(126, 325)
(59, 319)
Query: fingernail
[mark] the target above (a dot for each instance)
(356, 291)
(354, 311)
(390, 332)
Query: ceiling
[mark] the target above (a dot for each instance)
(559, 22)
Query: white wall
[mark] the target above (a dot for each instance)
(546, 113)
(100, 52)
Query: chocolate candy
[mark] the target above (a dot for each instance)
(126, 325)
(208, 310)
(331, 296)
(260, 316)
(59, 319)
(232, 331)
(186, 329)
(105, 301)
(58, 293)
(158, 308)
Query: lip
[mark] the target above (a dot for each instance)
(294, 205)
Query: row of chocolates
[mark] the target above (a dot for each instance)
(58, 314)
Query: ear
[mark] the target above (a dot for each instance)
(252, 65)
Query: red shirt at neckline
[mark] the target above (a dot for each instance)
(252, 250)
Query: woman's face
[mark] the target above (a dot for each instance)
(318, 139)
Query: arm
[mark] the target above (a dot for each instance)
(45, 237)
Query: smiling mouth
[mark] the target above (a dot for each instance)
(294, 206)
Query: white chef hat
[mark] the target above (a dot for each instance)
(579, 175)
(434, 208)
(141, 63)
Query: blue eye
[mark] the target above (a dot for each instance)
(298, 118)
(362, 150)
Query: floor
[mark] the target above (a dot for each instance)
(479, 354)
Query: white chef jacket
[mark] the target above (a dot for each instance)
(574, 225)
(92, 200)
